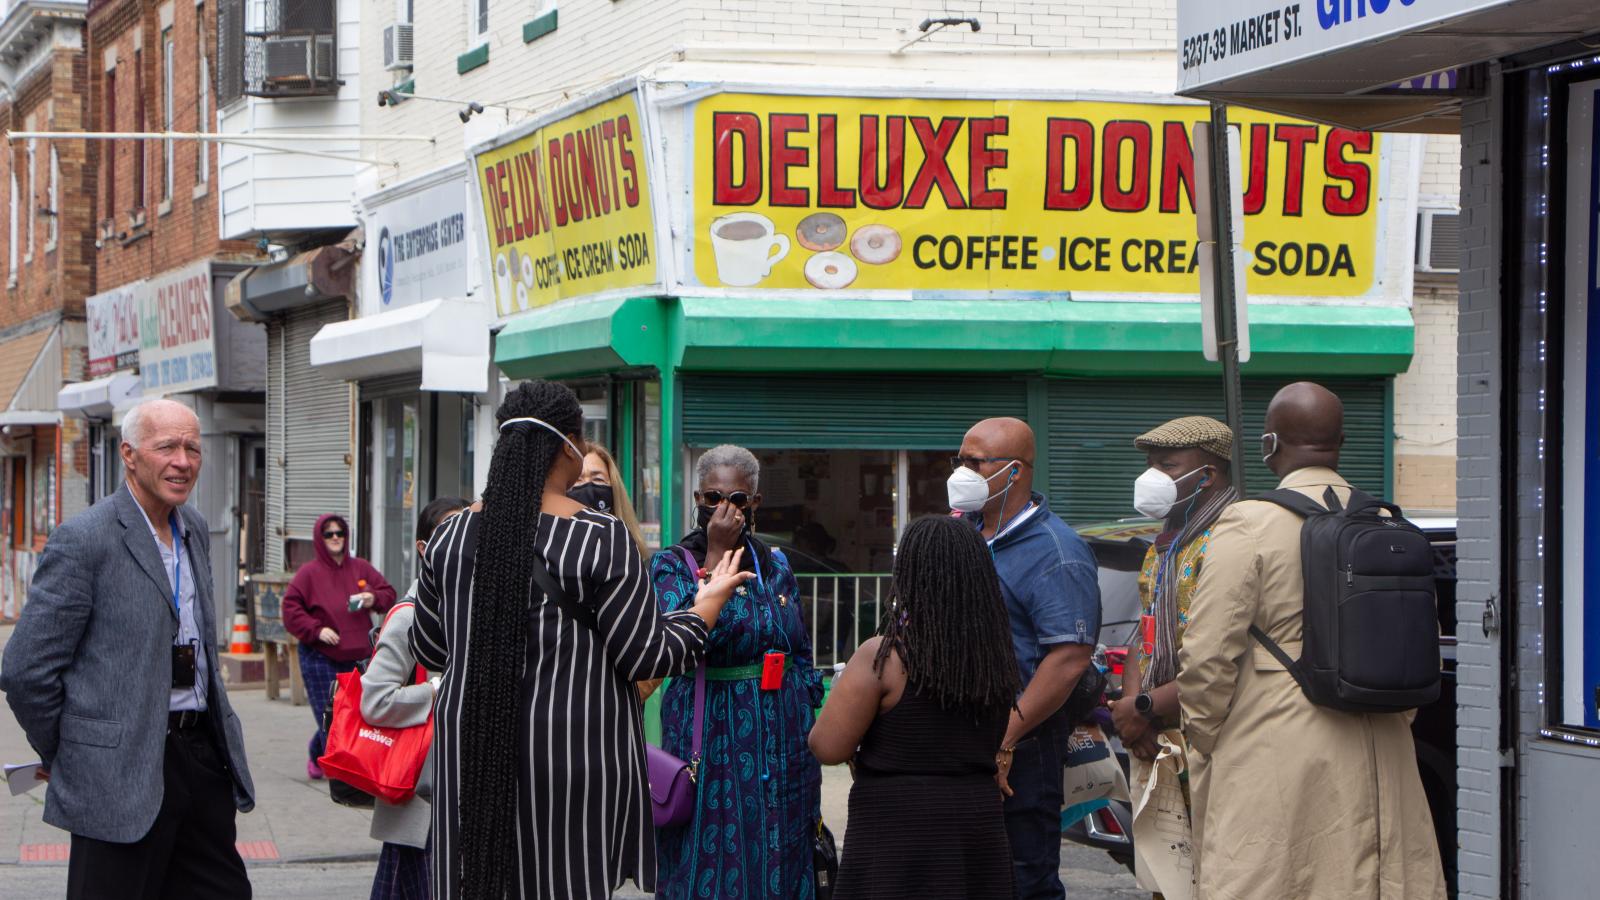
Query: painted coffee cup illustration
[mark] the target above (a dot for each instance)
(743, 243)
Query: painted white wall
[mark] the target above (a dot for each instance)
(265, 192)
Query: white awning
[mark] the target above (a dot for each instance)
(101, 397)
(29, 417)
(447, 341)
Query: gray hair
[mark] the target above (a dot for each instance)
(737, 458)
(133, 419)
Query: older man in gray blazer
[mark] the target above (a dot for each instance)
(112, 673)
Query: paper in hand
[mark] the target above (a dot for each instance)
(23, 778)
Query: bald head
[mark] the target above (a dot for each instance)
(1309, 422)
(1005, 436)
(159, 414)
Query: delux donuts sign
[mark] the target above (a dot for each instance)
(567, 207)
(856, 194)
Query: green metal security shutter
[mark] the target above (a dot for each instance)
(1093, 422)
(876, 412)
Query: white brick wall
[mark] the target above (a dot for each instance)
(1479, 512)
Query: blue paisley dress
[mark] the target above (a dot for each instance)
(760, 789)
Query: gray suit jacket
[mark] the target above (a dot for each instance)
(88, 671)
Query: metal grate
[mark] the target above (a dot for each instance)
(1438, 241)
(230, 51)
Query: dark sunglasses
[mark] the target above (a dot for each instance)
(972, 462)
(333, 534)
(739, 499)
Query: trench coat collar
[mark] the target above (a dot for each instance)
(1313, 476)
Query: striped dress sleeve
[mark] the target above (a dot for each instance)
(643, 642)
(430, 642)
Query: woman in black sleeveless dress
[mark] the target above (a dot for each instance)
(921, 711)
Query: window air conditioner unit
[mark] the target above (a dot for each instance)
(397, 46)
(299, 58)
(1438, 240)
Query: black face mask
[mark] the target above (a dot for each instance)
(703, 516)
(595, 496)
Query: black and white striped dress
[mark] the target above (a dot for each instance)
(583, 811)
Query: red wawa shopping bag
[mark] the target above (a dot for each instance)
(384, 762)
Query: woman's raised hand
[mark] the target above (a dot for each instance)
(718, 586)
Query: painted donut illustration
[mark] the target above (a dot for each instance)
(522, 295)
(830, 271)
(876, 245)
(527, 270)
(821, 231)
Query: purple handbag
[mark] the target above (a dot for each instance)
(673, 781)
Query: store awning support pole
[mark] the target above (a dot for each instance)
(1223, 296)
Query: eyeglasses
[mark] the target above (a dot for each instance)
(1269, 443)
(330, 535)
(972, 462)
(739, 499)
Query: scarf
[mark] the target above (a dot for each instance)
(695, 542)
(1163, 666)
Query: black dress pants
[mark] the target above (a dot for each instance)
(189, 851)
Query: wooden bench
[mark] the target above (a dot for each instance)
(266, 597)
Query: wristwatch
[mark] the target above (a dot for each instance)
(1145, 706)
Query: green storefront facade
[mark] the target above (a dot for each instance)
(891, 386)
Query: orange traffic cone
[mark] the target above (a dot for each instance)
(242, 641)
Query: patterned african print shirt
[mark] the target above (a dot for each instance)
(1186, 567)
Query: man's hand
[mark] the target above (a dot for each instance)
(1134, 729)
(328, 636)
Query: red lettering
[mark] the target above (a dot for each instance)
(553, 162)
(1136, 197)
(1295, 137)
(784, 156)
(726, 129)
(1334, 200)
(534, 219)
(935, 169)
(608, 134)
(1177, 166)
(571, 178)
(586, 167)
(630, 182)
(829, 194)
(492, 177)
(1255, 195)
(890, 160)
(983, 158)
(1056, 193)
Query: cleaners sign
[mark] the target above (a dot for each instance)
(177, 346)
(1014, 196)
(1223, 39)
(567, 208)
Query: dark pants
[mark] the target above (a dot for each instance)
(189, 851)
(404, 873)
(1033, 812)
(320, 674)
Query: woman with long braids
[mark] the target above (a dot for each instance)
(539, 786)
(922, 710)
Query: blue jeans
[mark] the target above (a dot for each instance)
(1033, 811)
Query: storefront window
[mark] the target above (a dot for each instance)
(595, 398)
(44, 484)
(646, 493)
(398, 488)
(423, 446)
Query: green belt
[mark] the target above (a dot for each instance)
(739, 673)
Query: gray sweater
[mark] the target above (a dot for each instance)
(390, 700)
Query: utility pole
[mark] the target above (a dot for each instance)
(1219, 211)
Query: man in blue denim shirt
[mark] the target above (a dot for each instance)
(1052, 592)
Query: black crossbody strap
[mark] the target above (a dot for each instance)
(552, 590)
(1291, 665)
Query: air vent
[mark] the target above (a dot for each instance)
(1438, 241)
(397, 46)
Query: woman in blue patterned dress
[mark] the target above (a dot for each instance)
(759, 787)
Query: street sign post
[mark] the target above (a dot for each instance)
(1219, 220)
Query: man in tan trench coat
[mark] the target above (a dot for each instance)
(1291, 800)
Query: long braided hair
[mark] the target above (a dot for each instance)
(948, 621)
(498, 629)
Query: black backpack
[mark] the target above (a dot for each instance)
(1371, 621)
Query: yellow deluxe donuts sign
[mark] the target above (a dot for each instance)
(1018, 196)
(567, 208)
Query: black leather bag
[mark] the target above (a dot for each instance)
(825, 860)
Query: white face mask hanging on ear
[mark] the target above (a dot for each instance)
(576, 453)
(1155, 493)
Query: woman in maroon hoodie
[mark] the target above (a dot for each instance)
(316, 609)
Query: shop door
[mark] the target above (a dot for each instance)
(1093, 421)
(309, 449)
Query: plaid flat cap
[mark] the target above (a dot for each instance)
(1202, 432)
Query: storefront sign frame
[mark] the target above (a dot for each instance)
(649, 172)
(417, 236)
(113, 320)
(1219, 40)
(177, 331)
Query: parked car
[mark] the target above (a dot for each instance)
(1119, 548)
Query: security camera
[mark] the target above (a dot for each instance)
(471, 109)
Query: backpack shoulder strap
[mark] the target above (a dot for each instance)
(1293, 501)
(1291, 665)
(552, 590)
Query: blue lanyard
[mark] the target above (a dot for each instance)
(177, 566)
(755, 560)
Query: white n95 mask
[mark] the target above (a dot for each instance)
(968, 490)
(1155, 493)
